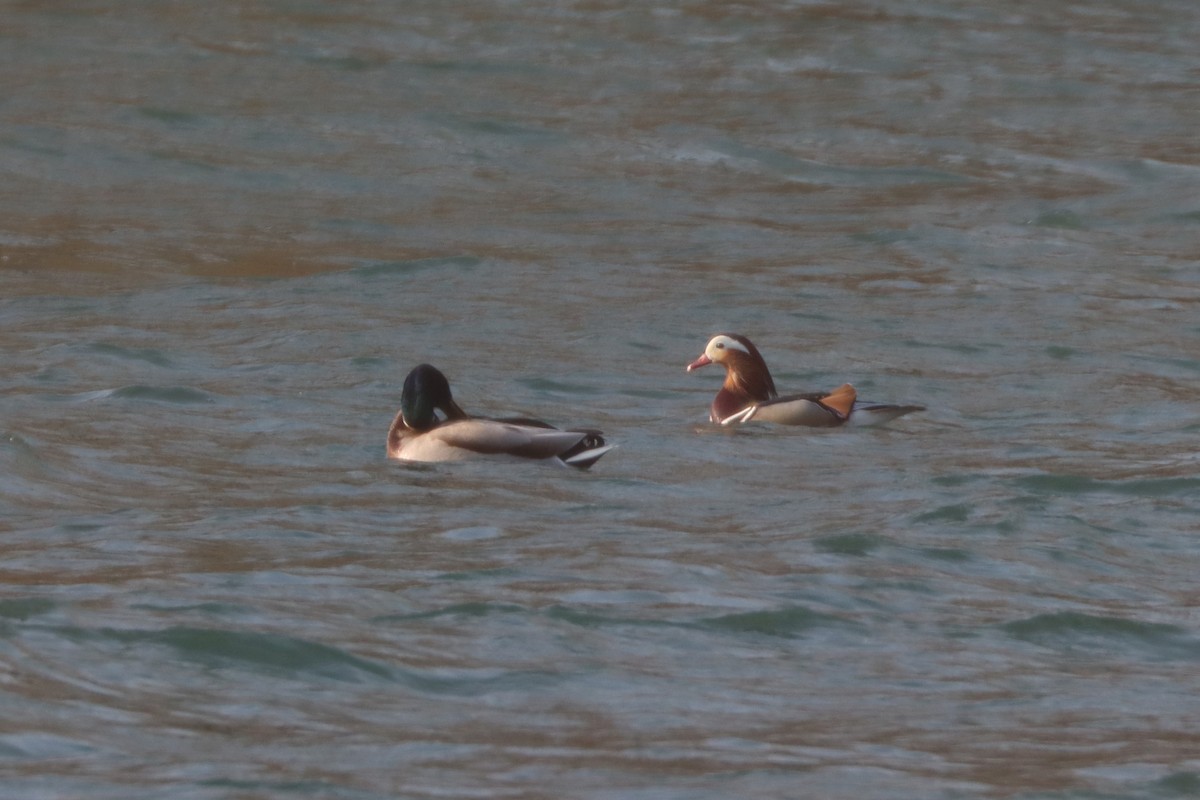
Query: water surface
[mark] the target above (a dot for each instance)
(227, 235)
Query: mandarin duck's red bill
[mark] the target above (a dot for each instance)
(419, 434)
(748, 393)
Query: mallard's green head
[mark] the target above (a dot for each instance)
(426, 389)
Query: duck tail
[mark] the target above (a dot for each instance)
(587, 452)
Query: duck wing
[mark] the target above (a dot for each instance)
(813, 409)
(493, 437)
(582, 454)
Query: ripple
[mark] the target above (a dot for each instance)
(22, 608)
(271, 652)
(378, 269)
(850, 544)
(1073, 629)
(37, 746)
(473, 534)
(1065, 484)
(785, 622)
(174, 395)
(456, 610)
(149, 355)
(473, 683)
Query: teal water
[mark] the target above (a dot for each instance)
(229, 233)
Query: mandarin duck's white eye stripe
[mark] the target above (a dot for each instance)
(723, 342)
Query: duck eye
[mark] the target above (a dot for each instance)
(720, 345)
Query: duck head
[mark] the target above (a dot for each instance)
(746, 372)
(426, 389)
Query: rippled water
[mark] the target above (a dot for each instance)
(229, 231)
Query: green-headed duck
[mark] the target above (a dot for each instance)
(418, 434)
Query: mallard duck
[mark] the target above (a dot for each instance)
(749, 393)
(418, 434)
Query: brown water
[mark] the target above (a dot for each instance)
(229, 230)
